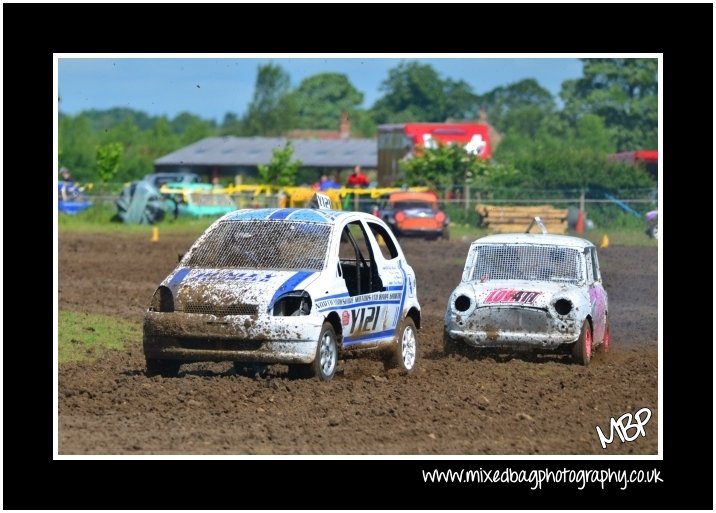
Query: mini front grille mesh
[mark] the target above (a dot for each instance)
(220, 311)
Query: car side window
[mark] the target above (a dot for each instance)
(595, 265)
(358, 266)
(590, 269)
(384, 240)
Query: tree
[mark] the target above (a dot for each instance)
(413, 92)
(108, 159)
(321, 99)
(621, 91)
(77, 144)
(272, 110)
(281, 170)
(516, 106)
(449, 165)
(460, 101)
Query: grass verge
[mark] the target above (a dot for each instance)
(84, 336)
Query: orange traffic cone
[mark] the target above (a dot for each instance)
(155, 234)
(580, 222)
(605, 241)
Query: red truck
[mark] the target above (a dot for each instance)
(396, 141)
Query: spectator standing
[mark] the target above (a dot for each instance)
(327, 183)
(357, 178)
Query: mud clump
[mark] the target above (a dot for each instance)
(473, 404)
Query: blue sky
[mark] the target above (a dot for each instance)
(211, 86)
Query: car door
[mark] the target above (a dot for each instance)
(369, 310)
(597, 294)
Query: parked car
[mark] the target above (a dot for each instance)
(197, 199)
(159, 179)
(415, 213)
(141, 203)
(528, 291)
(291, 286)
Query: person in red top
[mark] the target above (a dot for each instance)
(357, 178)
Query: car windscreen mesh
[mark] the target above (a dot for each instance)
(263, 244)
(526, 262)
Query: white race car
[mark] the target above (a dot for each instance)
(291, 286)
(529, 292)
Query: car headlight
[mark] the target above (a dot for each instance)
(162, 300)
(563, 306)
(462, 303)
(294, 303)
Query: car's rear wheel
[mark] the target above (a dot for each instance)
(166, 368)
(582, 349)
(404, 352)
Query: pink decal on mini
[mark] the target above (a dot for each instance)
(512, 296)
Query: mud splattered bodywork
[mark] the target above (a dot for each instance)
(529, 291)
(275, 285)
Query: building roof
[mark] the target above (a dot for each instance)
(250, 151)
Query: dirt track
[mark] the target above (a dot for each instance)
(448, 406)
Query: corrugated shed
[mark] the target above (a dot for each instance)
(250, 151)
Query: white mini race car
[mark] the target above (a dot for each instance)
(529, 292)
(290, 286)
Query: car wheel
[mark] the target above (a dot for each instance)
(166, 368)
(582, 349)
(446, 234)
(251, 369)
(607, 337)
(324, 365)
(404, 352)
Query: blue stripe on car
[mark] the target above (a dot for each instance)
(173, 284)
(280, 214)
(356, 305)
(289, 285)
(368, 337)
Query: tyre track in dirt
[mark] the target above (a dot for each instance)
(450, 405)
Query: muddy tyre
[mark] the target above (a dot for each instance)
(582, 349)
(166, 368)
(404, 353)
(324, 365)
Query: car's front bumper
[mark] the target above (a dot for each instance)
(199, 337)
(511, 327)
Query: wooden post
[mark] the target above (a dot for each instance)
(466, 199)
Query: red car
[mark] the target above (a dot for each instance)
(415, 213)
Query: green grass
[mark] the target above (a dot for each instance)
(100, 218)
(85, 336)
